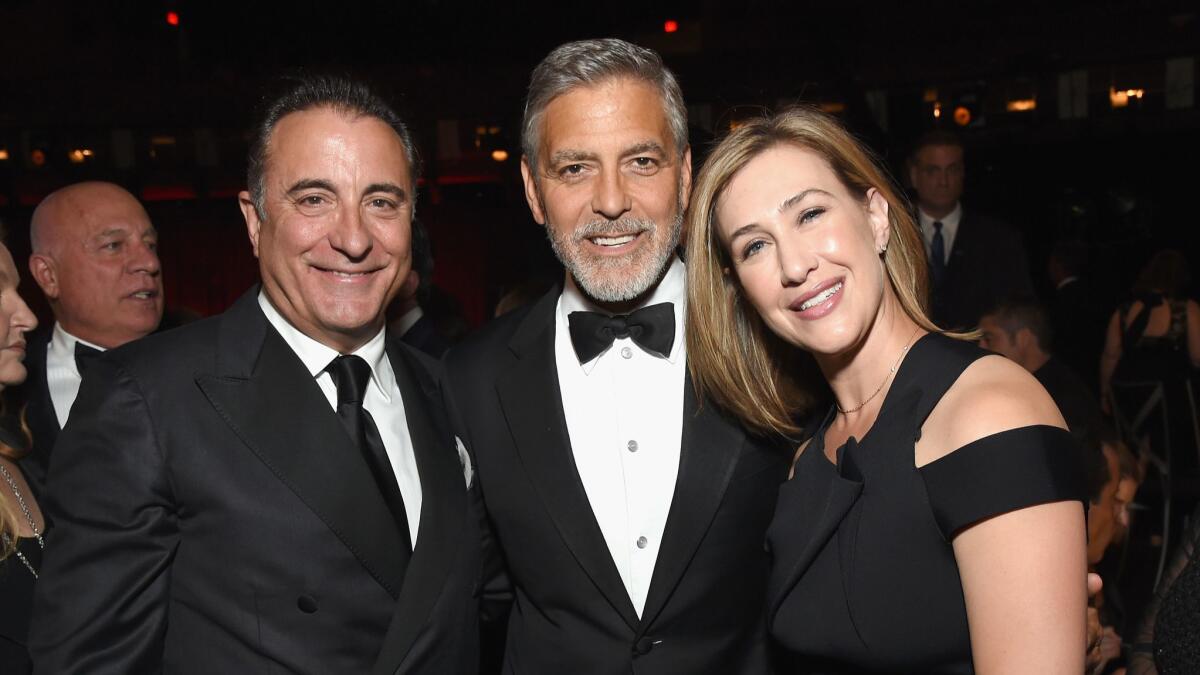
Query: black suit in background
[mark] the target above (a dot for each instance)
(424, 337)
(571, 613)
(1078, 330)
(33, 396)
(213, 516)
(987, 265)
(1078, 405)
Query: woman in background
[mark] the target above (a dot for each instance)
(934, 521)
(21, 523)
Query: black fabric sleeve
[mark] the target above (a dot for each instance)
(1004, 472)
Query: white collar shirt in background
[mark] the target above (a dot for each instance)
(949, 229)
(62, 373)
(382, 400)
(624, 413)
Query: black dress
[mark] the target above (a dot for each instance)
(16, 585)
(864, 577)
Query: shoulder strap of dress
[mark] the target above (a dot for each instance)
(932, 367)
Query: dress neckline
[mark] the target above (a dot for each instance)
(888, 398)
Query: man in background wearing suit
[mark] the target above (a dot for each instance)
(95, 259)
(407, 317)
(630, 516)
(275, 488)
(975, 261)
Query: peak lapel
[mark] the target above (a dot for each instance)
(267, 397)
(532, 403)
(709, 452)
(443, 507)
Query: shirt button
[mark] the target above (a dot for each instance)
(632, 445)
(626, 353)
(642, 541)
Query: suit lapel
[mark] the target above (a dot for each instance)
(265, 394)
(709, 451)
(532, 403)
(443, 507)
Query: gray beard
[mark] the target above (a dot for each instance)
(599, 277)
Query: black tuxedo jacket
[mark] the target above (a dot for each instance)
(213, 516)
(988, 264)
(571, 613)
(34, 398)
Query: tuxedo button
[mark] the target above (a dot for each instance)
(643, 646)
(642, 541)
(626, 353)
(307, 604)
(632, 445)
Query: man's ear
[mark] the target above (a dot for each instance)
(1025, 339)
(45, 272)
(531, 191)
(685, 178)
(250, 214)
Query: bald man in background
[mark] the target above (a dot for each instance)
(95, 259)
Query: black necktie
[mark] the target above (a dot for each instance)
(937, 255)
(652, 328)
(84, 355)
(351, 374)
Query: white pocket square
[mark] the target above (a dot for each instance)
(465, 460)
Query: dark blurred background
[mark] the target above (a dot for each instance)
(1080, 117)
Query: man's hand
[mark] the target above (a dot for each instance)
(1095, 632)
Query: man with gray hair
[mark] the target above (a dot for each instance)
(629, 517)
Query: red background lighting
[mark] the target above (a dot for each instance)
(670, 26)
(173, 18)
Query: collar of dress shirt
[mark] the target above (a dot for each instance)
(1064, 282)
(949, 224)
(671, 289)
(316, 356)
(64, 343)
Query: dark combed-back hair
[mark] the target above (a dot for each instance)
(340, 93)
(937, 137)
(1018, 313)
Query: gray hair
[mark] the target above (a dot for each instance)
(589, 62)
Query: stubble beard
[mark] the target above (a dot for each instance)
(620, 278)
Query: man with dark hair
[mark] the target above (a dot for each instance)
(407, 317)
(1020, 330)
(95, 258)
(629, 516)
(975, 261)
(275, 488)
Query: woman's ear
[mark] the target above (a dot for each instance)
(877, 215)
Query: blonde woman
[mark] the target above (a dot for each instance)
(21, 523)
(934, 521)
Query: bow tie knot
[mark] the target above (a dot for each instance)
(651, 328)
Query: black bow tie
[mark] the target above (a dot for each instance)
(83, 355)
(652, 328)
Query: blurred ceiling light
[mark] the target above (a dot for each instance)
(162, 140)
(832, 107)
(172, 18)
(931, 95)
(499, 155)
(937, 110)
(1119, 98)
(3, 154)
(1021, 105)
(76, 156)
(962, 115)
(37, 158)
(87, 152)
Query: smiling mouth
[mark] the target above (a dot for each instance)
(144, 295)
(821, 297)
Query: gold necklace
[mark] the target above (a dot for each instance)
(885, 378)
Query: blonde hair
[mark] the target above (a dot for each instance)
(735, 360)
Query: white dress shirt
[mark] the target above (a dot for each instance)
(949, 229)
(382, 400)
(62, 373)
(624, 412)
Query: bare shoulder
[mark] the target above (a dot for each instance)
(992, 395)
